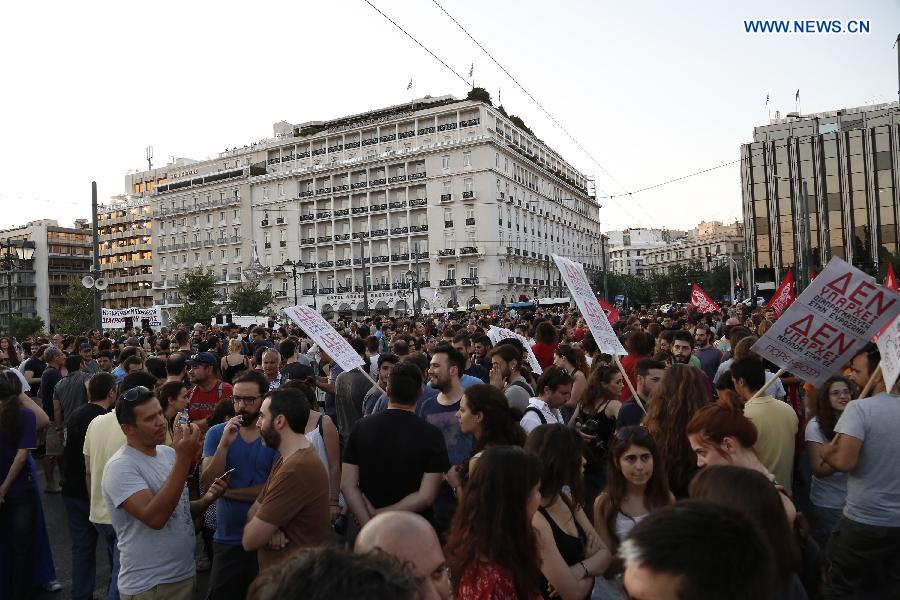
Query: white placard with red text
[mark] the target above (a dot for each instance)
(329, 340)
(828, 323)
(578, 284)
(499, 333)
(889, 348)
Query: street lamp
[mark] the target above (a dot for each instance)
(293, 266)
(9, 262)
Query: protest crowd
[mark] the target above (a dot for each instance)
(498, 454)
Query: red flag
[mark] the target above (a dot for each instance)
(701, 300)
(784, 295)
(612, 315)
(890, 280)
(812, 275)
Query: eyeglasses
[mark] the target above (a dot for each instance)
(136, 394)
(244, 399)
(626, 433)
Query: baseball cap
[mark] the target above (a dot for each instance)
(203, 358)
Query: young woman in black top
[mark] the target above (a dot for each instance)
(571, 552)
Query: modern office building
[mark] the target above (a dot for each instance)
(429, 204)
(126, 251)
(822, 185)
(711, 243)
(61, 257)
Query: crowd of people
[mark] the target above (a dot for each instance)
(446, 466)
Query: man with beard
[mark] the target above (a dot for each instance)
(683, 348)
(236, 444)
(208, 388)
(144, 489)
(709, 355)
(291, 512)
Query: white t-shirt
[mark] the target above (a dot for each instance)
(531, 420)
(825, 492)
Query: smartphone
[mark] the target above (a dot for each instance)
(228, 473)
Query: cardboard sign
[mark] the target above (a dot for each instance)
(836, 315)
(577, 282)
(114, 318)
(784, 295)
(323, 334)
(499, 333)
(889, 348)
(701, 300)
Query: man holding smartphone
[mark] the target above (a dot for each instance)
(236, 445)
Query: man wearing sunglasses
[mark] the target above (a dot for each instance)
(236, 445)
(144, 489)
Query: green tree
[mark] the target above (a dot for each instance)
(198, 293)
(479, 93)
(76, 314)
(24, 327)
(248, 299)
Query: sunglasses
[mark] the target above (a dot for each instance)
(136, 394)
(626, 433)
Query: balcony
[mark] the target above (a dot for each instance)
(356, 261)
(446, 197)
(235, 239)
(303, 154)
(447, 127)
(378, 207)
(468, 250)
(341, 212)
(207, 243)
(219, 242)
(510, 280)
(307, 241)
(379, 259)
(326, 264)
(370, 141)
(397, 205)
(306, 194)
(418, 202)
(159, 284)
(406, 134)
(319, 151)
(470, 221)
(342, 237)
(307, 217)
(448, 224)
(399, 230)
(282, 243)
(381, 181)
(397, 257)
(264, 223)
(470, 195)
(379, 287)
(424, 283)
(340, 188)
(323, 239)
(358, 185)
(342, 289)
(469, 122)
(326, 290)
(399, 285)
(357, 210)
(324, 190)
(280, 294)
(309, 265)
(378, 233)
(420, 255)
(349, 145)
(336, 148)
(267, 245)
(309, 291)
(342, 262)
(388, 138)
(418, 228)
(470, 281)
(447, 252)
(279, 220)
(325, 214)
(358, 235)
(397, 179)
(415, 176)
(447, 282)
(426, 130)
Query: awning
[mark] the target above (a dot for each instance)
(528, 304)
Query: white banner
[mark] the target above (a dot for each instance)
(329, 340)
(577, 282)
(114, 318)
(828, 323)
(499, 333)
(889, 348)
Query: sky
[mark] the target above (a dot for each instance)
(652, 90)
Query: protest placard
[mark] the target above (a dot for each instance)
(835, 316)
(577, 282)
(889, 348)
(114, 318)
(499, 333)
(701, 300)
(329, 340)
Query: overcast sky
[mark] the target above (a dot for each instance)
(653, 90)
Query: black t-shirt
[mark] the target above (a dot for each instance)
(49, 378)
(36, 366)
(478, 371)
(630, 414)
(393, 449)
(74, 473)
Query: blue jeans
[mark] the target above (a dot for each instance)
(84, 547)
(108, 534)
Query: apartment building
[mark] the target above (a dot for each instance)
(126, 251)
(711, 243)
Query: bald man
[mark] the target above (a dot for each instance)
(409, 538)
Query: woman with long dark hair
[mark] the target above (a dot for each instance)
(828, 491)
(491, 546)
(571, 360)
(681, 393)
(570, 550)
(18, 491)
(8, 352)
(636, 485)
(751, 493)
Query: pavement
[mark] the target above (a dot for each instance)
(60, 545)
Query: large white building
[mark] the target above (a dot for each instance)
(444, 192)
(711, 243)
(628, 246)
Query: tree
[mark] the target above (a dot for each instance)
(248, 299)
(76, 314)
(479, 93)
(197, 291)
(24, 327)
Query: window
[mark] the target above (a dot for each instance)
(446, 187)
(266, 192)
(281, 189)
(497, 162)
(467, 184)
(445, 163)
(467, 159)
(451, 271)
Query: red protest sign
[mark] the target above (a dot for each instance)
(701, 300)
(784, 295)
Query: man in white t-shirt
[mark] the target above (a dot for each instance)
(554, 389)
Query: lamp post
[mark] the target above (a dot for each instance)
(9, 262)
(293, 267)
(413, 279)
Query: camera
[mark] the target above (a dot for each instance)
(339, 525)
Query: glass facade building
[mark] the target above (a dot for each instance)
(822, 185)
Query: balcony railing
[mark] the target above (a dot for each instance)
(340, 188)
(264, 223)
(379, 259)
(280, 294)
(319, 151)
(414, 176)
(381, 181)
(323, 239)
(356, 210)
(325, 214)
(309, 291)
(307, 217)
(341, 237)
(307, 241)
(388, 138)
(396, 205)
(446, 127)
(418, 202)
(349, 145)
(336, 148)
(424, 283)
(446, 197)
(470, 195)
(378, 232)
(469, 280)
(306, 194)
(326, 264)
(342, 262)
(469, 122)
(370, 141)
(468, 250)
(448, 224)
(426, 130)
(378, 207)
(358, 185)
(343, 289)
(282, 243)
(510, 280)
(309, 265)
(447, 282)
(279, 220)
(219, 242)
(396, 257)
(447, 252)
(420, 255)
(326, 290)
(399, 230)
(358, 235)
(324, 190)
(303, 154)
(396, 178)
(267, 245)
(381, 287)
(340, 212)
